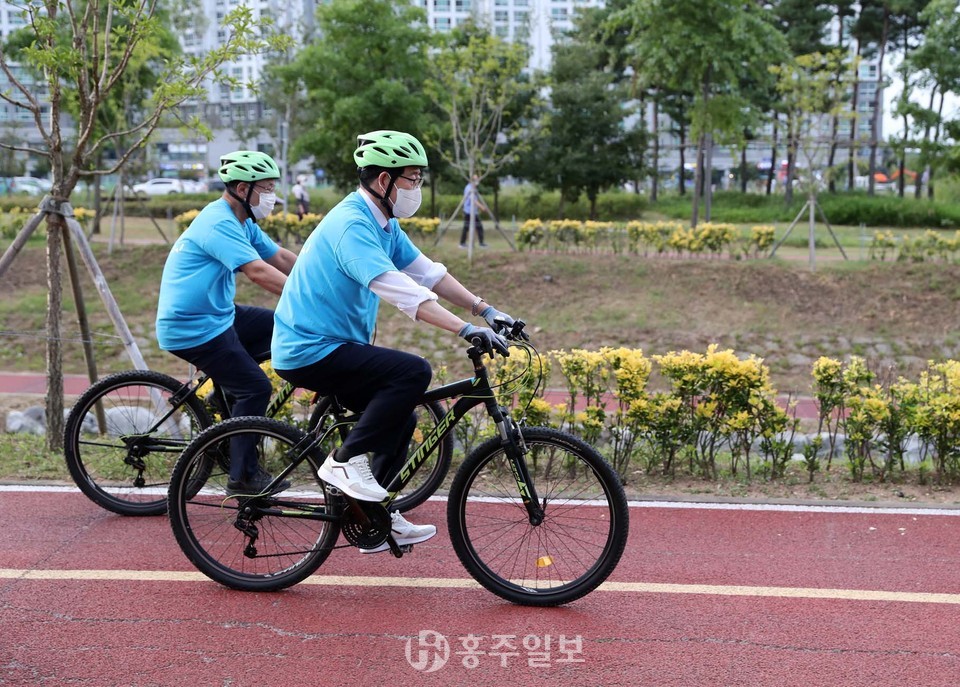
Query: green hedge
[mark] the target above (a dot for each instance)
(851, 209)
(521, 203)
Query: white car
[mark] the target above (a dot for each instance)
(159, 187)
(30, 185)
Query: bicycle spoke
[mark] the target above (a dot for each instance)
(567, 554)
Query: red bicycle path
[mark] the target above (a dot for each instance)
(705, 594)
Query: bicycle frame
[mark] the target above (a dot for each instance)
(277, 400)
(469, 394)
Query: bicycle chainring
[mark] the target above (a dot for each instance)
(365, 525)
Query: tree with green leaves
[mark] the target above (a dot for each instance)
(587, 145)
(936, 66)
(705, 48)
(84, 53)
(475, 80)
(803, 24)
(364, 71)
(811, 97)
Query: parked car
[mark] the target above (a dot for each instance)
(29, 185)
(194, 186)
(215, 184)
(159, 187)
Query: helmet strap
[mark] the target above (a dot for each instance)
(245, 202)
(384, 199)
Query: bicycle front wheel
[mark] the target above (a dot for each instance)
(580, 539)
(254, 543)
(123, 436)
(428, 477)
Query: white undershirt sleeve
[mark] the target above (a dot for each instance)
(400, 290)
(425, 271)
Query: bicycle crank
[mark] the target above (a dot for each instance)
(365, 525)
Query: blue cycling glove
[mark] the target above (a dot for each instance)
(500, 322)
(486, 339)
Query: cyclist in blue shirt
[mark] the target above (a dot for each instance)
(197, 319)
(324, 322)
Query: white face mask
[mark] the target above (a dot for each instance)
(267, 201)
(407, 203)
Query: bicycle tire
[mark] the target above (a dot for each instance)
(429, 477)
(100, 456)
(578, 544)
(207, 522)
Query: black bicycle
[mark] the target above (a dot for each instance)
(125, 432)
(535, 515)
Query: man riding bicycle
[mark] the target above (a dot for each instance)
(324, 322)
(197, 319)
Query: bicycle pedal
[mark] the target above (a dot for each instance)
(401, 549)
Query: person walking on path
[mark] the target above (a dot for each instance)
(197, 319)
(301, 197)
(471, 200)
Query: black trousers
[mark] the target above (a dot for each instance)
(477, 225)
(386, 384)
(232, 361)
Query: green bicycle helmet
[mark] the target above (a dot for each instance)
(247, 165)
(389, 149)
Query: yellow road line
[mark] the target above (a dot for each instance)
(457, 583)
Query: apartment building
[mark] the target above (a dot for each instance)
(240, 119)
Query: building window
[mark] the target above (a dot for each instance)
(442, 5)
(441, 23)
(501, 16)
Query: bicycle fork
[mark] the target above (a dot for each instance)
(516, 451)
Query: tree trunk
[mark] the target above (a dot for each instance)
(54, 401)
(698, 182)
(936, 139)
(924, 166)
(854, 125)
(743, 167)
(875, 115)
(902, 163)
(654, 186)
(708, 179)
(773, 155)
(682, 185)
(791, 159)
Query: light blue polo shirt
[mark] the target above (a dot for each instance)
(327, 301)
(199, 283)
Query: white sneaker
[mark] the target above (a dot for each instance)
(404, 533)
(353, 478)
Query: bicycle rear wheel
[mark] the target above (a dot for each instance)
(575, 547)
(258, 543)
(428, 478)
(123, 436)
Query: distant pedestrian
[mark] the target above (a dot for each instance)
(471, 195)
(301, 197)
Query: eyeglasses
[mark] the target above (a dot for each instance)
(266, 189)
(416, 181)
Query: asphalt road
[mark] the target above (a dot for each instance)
(712, 594)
